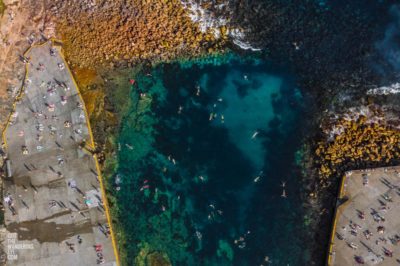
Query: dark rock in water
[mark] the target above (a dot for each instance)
(330, 45)
(157, 259)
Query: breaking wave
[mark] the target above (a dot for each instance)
(208, 21)
(238, 39)
(385, 90)
(204, 18)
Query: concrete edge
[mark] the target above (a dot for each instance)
(92, 145)
(336, 217)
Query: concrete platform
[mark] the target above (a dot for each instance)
(367, 224)
(54, 194)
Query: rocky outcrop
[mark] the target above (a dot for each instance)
(108, 32)
(360, 141)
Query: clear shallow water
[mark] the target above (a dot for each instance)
(203, 153)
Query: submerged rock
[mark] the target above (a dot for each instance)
(157, 259)
(146, 257)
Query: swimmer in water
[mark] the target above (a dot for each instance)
(284, 194)
(258, 177)
(129, 146)
(254, 135)
(283, 185)
(211, 117)
(199, 235)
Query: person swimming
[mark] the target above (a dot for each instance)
(284, 194)
(283, 185)
(129, 146)
(257, 178)
(254, 135)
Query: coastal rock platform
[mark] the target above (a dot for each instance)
(366, 228)
(55, 208)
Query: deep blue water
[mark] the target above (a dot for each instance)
(204, 149)
(203, 156)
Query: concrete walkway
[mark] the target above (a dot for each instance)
(367, 224)
(54, 209)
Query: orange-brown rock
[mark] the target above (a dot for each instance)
(360, 142)
(132, 30)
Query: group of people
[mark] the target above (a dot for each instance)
(99, 253)
(383, 239)
(53, 94)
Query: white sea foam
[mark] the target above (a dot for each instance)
(385, 90)
(238, 38)
(207, 21)
(387, 116)
(204, 18)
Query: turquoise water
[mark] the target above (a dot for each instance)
(203, 153)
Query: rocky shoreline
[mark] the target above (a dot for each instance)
(97, 35)
(321, 196)
(104, 41)
(379, 127)
(129, 31)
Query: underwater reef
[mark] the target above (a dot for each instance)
(144, 232)
(181, 178)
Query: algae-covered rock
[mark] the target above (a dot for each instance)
(132, 30)
(146, 257)
(360, 141)
(157, 259)
(225, 250)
